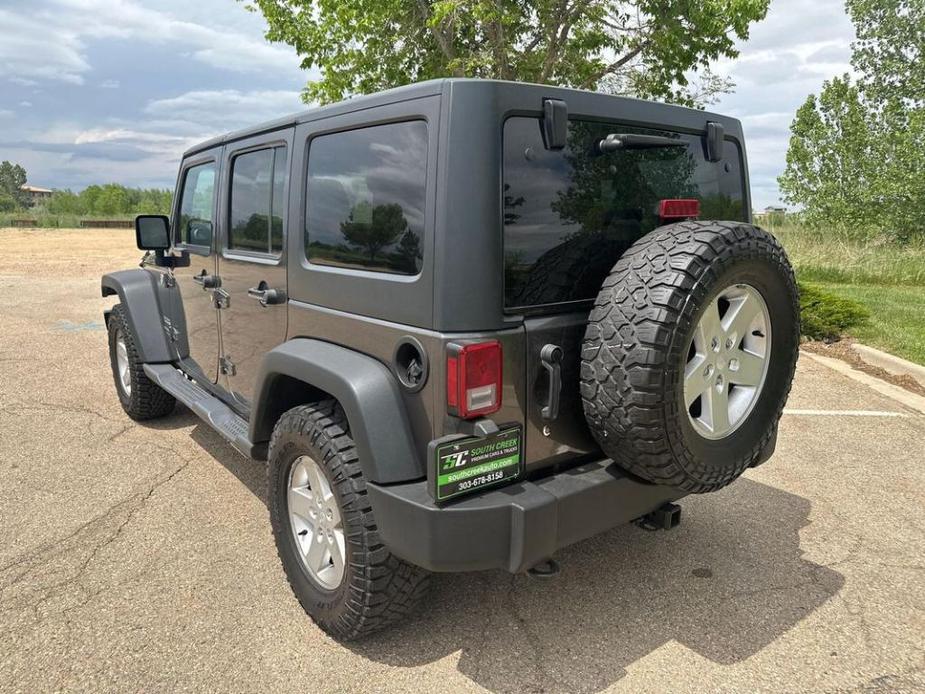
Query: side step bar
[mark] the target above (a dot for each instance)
(209, 408)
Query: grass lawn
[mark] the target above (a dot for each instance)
(897, 316)
(886, 278)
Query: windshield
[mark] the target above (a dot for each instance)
(569, 215)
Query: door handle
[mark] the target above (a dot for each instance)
(207, 281)
(551, 358)
(267, 296)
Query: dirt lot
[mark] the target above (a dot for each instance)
(140, 558)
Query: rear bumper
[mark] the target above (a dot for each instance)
(514, 527)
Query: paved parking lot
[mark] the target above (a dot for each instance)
(139, 557)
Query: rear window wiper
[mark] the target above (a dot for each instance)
(616, 141)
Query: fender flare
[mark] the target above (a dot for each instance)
(137, 291)
(364, 387)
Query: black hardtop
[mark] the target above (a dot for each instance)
(529, 94)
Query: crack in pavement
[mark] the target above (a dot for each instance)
(36, 559)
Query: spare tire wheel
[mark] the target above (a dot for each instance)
(689, 353)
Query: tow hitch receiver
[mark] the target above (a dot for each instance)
(665, 517)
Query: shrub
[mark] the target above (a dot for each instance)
(825, 316)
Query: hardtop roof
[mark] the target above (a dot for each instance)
(423, 89)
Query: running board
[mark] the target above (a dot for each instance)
(232, 427)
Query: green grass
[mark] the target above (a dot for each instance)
(837, 258)
(886, 278)
(897, 317)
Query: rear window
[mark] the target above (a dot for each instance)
(569, 215)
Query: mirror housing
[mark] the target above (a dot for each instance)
(152, 232)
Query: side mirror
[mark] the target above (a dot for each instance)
(152, 232)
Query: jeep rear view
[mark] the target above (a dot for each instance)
(466, 323)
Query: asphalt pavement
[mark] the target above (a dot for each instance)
(139, 556)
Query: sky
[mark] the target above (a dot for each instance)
(95, 91)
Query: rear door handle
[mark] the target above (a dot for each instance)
(551, 358)
(267, 296)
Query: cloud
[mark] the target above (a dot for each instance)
(224, 110)
(109, 84)
(25, 104)
(48, 39)
(787, 57)
(6, 113)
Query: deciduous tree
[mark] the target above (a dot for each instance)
(12, 179)
(645, 48)
(857, 152)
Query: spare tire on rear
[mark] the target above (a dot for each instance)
(689, 353)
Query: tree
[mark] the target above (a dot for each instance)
(830, 161)
(646, 48)
(890, 48)
(374, 227)
(856, 153)
(12, 179)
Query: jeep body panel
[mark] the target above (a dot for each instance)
(249, 328)
(365, 389)
(197, 304)
(515, 527)
(149, 306)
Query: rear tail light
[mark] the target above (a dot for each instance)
(679, 209)
(473, 379)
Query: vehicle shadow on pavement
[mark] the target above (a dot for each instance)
(725, 584)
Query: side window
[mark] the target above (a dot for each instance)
(365, 198)
(196, 206)
(258, 185)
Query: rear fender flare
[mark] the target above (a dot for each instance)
(364, 387)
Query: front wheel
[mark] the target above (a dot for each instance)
(140, 397)
(325, 531)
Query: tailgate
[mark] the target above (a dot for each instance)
(566, 437)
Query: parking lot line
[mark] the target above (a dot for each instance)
(845, 413)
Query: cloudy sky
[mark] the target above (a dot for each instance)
(113, 90)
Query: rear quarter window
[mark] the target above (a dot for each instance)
(569, 215)
(365, 198)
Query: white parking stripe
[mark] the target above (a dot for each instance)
(845, 413)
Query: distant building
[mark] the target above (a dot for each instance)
(37, 195)
(775, 210)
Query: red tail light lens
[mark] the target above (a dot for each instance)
(679, 209)
(473, 379)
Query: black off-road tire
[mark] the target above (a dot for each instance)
(636, 342)
(147, 400)
(378, 588)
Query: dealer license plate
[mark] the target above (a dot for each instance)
(467, 465)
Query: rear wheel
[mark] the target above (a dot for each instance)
(342, 574)
(689, 353)
(139, 396)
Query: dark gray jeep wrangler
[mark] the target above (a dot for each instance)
(467, 323)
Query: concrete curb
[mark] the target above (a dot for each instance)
(900, 395)
(889, 362)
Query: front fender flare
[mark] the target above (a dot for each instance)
(137, 291)
(365, 389)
